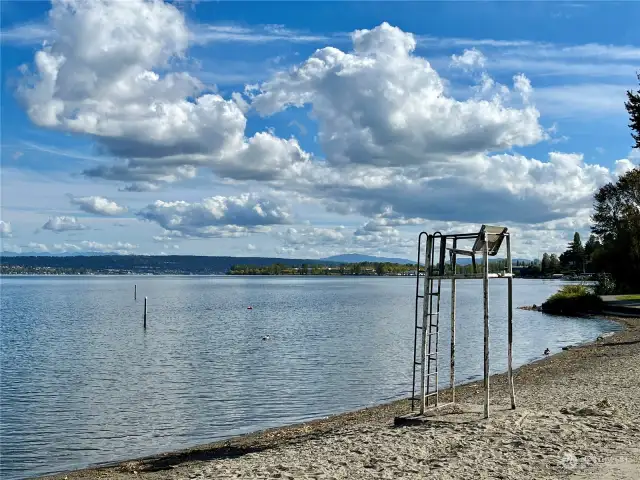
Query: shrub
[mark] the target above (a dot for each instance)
(573, 300)
(605, 285)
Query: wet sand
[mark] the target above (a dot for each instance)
(577, 416)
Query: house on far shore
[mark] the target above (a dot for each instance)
(557, 275)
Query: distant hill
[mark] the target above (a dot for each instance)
(149, 264)
(171, 264)
(357, 258)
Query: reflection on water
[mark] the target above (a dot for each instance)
(83, 383)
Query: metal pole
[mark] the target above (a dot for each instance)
(452, 366)
(512, 392)
(425, 322)
(486, 324)
(443, 251)
(415, 331)
(145, 313)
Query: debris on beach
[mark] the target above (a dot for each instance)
(601, 409)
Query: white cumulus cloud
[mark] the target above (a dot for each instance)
(470, 58)
(215, 216)
(381, 104)
(5, 229)
(103, 75)
(98, 205)
(63, 224)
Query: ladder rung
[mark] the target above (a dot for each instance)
(420, 296)
(431, 394)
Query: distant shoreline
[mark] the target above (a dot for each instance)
(106, 274)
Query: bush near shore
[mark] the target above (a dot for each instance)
(573, 300)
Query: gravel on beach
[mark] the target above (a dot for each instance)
(577, 417)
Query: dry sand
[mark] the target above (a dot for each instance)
(578, 417)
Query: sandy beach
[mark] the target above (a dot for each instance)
(578, 417)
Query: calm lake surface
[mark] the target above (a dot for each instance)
(82, 382)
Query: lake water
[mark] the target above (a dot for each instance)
(82, 382)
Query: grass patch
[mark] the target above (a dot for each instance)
(628, 297)
(573, 300)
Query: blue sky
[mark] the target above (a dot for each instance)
(263, 128)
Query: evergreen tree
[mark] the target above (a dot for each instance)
(576, 252)
(546, 264)
(633, 107)
(554, 263)
(591, 249)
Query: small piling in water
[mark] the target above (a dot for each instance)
(145, 313)
(135, 292)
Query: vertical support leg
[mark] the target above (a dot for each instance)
(442, 256)
(486, 325)
(415, 331)
(452, 366)
(512, 392)
(425, 322)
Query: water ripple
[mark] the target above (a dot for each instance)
(82, 383)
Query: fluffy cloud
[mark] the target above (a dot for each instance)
(98, 205)
(394, 136)
(5, 229)
(121, 248)
(503, 187)
(323, 241)
(383, 105)
(63, 224)
(469, 59)
(215, 216)
(99, 77)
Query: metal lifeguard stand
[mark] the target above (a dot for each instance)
(487, 243)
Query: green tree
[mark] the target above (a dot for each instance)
(545, 268)
(590, 252)
(576, 253)
(554, 263)
(633, 107)
(616, 221)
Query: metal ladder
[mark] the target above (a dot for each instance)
(427, 329)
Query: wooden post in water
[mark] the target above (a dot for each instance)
(135, 292)
(145, 313)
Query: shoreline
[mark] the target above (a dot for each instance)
(551, 369)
